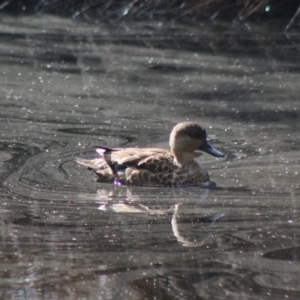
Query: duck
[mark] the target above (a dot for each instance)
(156, 166)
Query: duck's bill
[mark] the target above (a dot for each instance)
(208, 148)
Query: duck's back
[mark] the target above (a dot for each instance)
(130, 164)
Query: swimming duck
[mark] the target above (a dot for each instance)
(155, 166)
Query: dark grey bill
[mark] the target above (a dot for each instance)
(211, 150)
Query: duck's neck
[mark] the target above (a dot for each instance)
(184, 158)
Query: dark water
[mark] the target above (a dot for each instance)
(68, 86)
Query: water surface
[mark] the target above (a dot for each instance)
(67, 86)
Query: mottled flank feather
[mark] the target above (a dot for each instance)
(155, 166)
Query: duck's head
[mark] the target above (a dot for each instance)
(188, 137)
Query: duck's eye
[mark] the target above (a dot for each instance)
(192, 134)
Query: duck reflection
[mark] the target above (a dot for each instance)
(189, 221)
(207, 221)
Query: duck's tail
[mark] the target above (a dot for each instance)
(87, 163)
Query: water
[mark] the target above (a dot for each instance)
(67, 86)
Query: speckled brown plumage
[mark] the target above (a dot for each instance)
(155, 166)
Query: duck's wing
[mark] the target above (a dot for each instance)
(152, 159)
(132, 165)
(158, 163)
